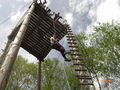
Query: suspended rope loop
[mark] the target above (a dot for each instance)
(54, 27)
(66, 77)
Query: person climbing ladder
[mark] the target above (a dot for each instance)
(57, 46)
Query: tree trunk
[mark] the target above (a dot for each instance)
(11, 56)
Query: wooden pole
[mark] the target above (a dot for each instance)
(11, 37)
(8, 44)
(39, 75)
(11, 56)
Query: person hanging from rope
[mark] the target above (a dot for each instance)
(57, 46)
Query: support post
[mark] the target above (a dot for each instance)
(11, 37)
(39, 75)
(11, 56)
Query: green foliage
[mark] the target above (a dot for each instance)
(71, 77)
(51, 73)
(101, 50)
(24, 76)
(55, 76)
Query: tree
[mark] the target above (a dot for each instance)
(58, 76)
(23, 76)
(101, 51)
(71, 77)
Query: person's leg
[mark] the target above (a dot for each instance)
(63, 54)
(62, 51)
(55, 46)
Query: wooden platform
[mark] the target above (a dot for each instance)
(37, 38)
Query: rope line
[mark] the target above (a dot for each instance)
(65, 70)
(5, 20)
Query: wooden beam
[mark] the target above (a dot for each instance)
(11, 56)
(39, 74)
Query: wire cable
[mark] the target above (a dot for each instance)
(2, 22)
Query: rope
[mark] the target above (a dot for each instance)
(2, 22)
(65, 71)
(8, 18)
(66, 78)
(54, 26)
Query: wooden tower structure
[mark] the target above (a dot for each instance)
(33, 33)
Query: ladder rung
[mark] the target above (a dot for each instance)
(80, 69)
(75, 50)
(86, 84)
(71, 39)
(73, 46)
(72, 42)
(68, 28)
(77, 54)
(67, 52)
(77, 59)
(69, 33)
(69, 36)
(83, 77)
(78, 64)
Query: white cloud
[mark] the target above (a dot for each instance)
(15, 17)
(69, 18)
(0, 6)
(108, 11)
(81, 6)
(27, 0)
(24, 0)
(48, 2)
(18, 0)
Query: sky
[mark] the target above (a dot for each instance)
(82, 15)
